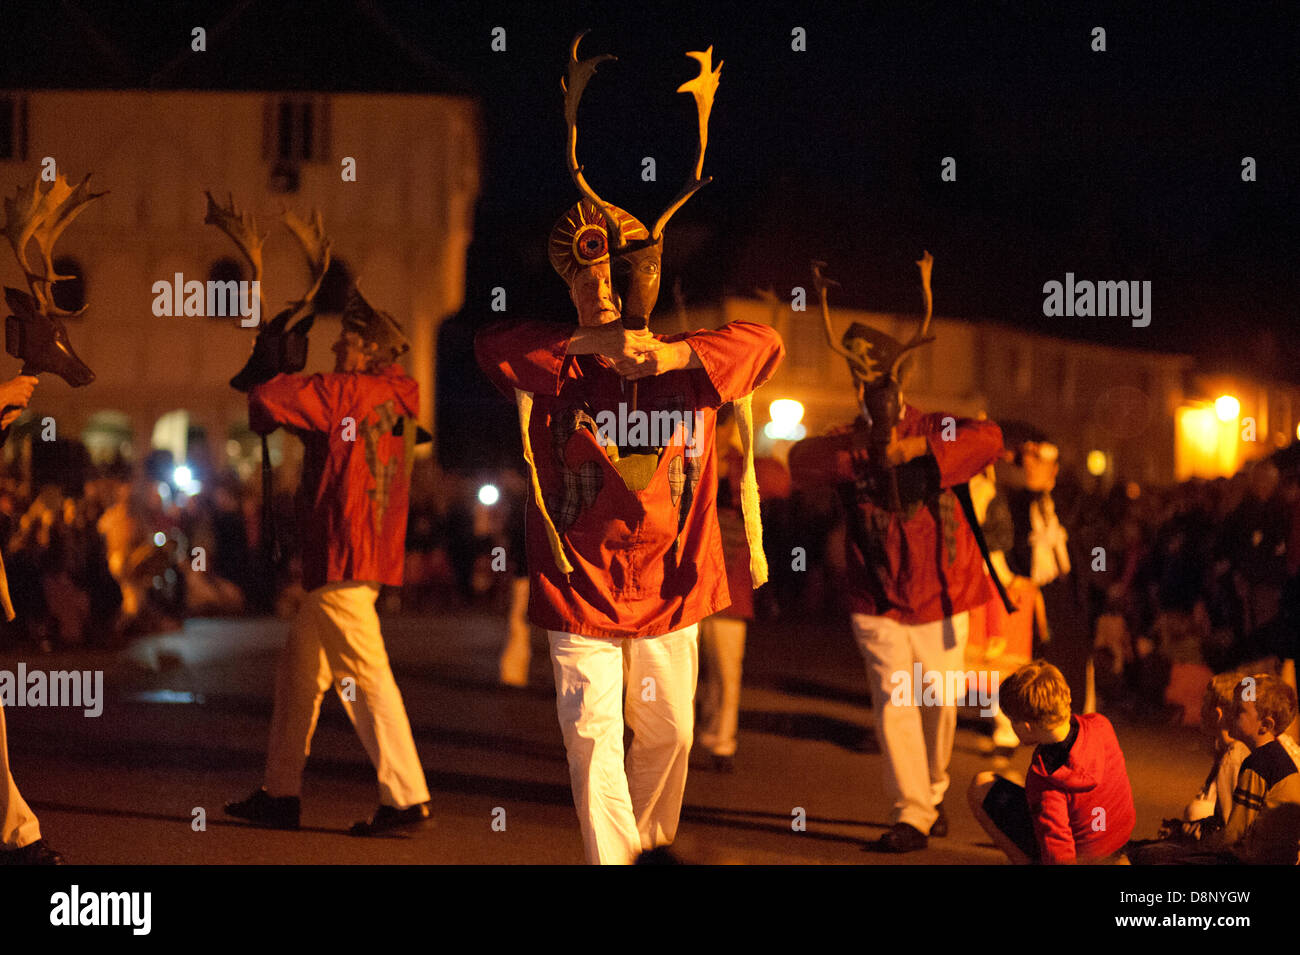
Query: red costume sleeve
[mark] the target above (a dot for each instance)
(291, 401)
(829, 458)
(975, 444)
(1052, 824)
(737, 358)
(525, 355)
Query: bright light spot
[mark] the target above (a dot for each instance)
(488, 494)
(1132, 490)
(1096, 463)
(159, 539)
(786, 414)
(1227, 407)
(794, 434)
(183, 478)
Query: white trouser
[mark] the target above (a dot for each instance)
(916, 740)
(722, 644)
(336, 634)
(625, 810)
(18, 825)
(518, 651)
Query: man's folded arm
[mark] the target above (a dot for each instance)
(828, 458)
(736, 358)
(524, 355)
(301, 402)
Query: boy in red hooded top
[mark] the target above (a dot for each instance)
(1076, 804)
(358, 430)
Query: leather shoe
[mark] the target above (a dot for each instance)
(902, 838)
(392, 819)
(940, 827)
(34, 853)
(273, 812)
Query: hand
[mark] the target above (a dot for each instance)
(17, 391)
(611, 340)
(902, 450)
(655, 358)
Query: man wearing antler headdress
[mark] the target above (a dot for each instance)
(914, 561)
(624, 551)
(357, 425)
(36, 335)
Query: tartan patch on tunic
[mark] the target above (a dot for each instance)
(948, 520)
(579, 488)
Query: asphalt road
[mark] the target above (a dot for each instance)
(186, 714)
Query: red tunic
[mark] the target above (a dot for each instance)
(355, 490)
(915, 569)
(644, 562)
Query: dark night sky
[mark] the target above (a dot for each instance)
(1118, 165)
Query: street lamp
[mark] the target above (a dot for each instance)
(1227, 408)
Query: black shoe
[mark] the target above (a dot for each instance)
(273, 812)
(940, 827)
(902, 838)
(390, 819)
(35, 853)
(722, 764)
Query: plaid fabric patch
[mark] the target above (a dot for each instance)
(580, 488)
(948, 520)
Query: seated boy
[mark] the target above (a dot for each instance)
(1264, 827)
(1076, 805)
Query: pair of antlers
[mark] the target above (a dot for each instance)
(703, 88)
(33, 214)
(242, 229)
(820, 282)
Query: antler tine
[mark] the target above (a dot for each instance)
(820, 282)
(242, 230)
(703, 88)
(315, 246)
(926, 265)
(578, 74)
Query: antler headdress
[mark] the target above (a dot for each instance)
(35, 333)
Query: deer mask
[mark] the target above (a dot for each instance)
(635, 261)
(35, 332)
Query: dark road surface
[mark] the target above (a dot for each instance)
(186, 714)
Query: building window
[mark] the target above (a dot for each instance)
(13, 128)
(223, 271)
(69, 294)
(297, 130)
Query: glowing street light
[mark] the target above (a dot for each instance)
(488, 495)
(1096, 463)
(786, 414)
(1227, 408)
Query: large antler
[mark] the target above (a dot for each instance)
(926, 265)
(242, 229)
(820, 282)
(703, 87)
(577, 77)
(316, 247)
(31, 213)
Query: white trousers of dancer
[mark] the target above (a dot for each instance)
(517, 653)
(625, 809)
(18, 825)
(722, 644)
(336, 637)
(916, 740)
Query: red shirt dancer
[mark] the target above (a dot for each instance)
(358, 430)
(914, 565)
